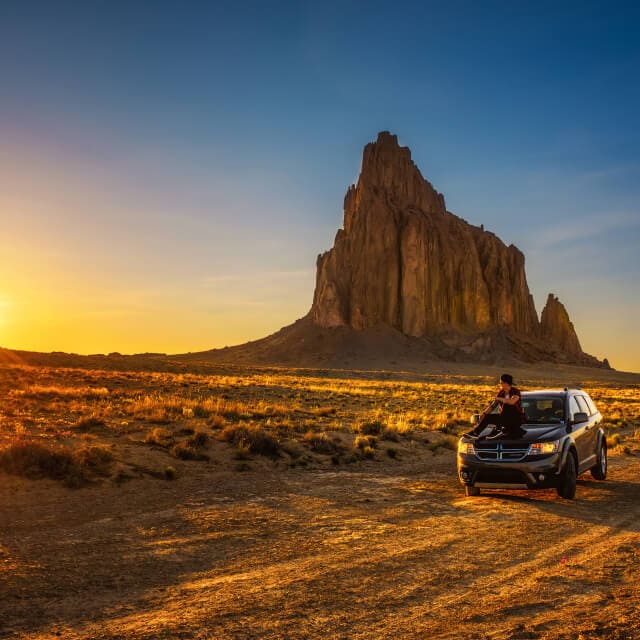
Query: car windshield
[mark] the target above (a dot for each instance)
(543, 410)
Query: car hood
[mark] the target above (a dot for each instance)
(538, 432)
(534, 433)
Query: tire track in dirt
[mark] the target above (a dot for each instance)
(596, 543)
(390, 556)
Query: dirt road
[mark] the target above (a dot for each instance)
(393, 552)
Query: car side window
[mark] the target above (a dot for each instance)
(591, 404)
(582, 403)
(573, 407)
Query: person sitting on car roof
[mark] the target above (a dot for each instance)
(511, 415)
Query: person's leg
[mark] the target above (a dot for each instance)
(491, 419)
(512, 427)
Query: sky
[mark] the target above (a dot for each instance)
(170, 170)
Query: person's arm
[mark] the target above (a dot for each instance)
(490, 408)
(512, 400)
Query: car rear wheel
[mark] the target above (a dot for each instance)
(567, 485)
(471, 491)
(599, 471)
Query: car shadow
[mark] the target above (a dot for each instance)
(592, 503)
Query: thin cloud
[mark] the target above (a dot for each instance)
(258, 275)
(586, 228)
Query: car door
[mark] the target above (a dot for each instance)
(592, 429)
(580, 432)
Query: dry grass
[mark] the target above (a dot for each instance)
(262, 411)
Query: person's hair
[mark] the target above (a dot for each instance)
(508, 378)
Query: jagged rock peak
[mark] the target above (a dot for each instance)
(404, 261)
(387, 167)
(557, 328)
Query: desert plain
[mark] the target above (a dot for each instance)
(170, 500)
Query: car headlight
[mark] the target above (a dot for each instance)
(466, 448)
(542, 448)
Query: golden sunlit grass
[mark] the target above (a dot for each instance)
(307, 417)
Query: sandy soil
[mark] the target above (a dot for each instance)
(377, 551)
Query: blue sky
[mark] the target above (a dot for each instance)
(170, 170)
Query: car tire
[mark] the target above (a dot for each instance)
(599, 470)
(471, 491)
(567, 485)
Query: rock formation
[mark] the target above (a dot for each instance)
(557, 329)
(408, 282)
(404, 261)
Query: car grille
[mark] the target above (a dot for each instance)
(501, 451)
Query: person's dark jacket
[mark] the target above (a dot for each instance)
(513, 414)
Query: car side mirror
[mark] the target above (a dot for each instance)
(475, 419)
(579, 417)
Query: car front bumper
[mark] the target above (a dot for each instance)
(534, 472)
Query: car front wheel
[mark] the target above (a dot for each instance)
(567, 485)
(599, 471)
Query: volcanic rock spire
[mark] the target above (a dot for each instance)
(404, 261)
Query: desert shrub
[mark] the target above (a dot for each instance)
(390, 434)
(89, 422)
(614, 440)
(257, 439)
(96, 458)
(449, 442)
(216, 421)
(242, 451)
(392, 452)
(368, 452)
(159, 437)
(362, 442)
(292, 449)
(199, 439)
(170, 473)
(369, 427)
(323, 411)
(321, 443)
(72, 466)
(450, 422)
(200, 411)
(187, 451)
